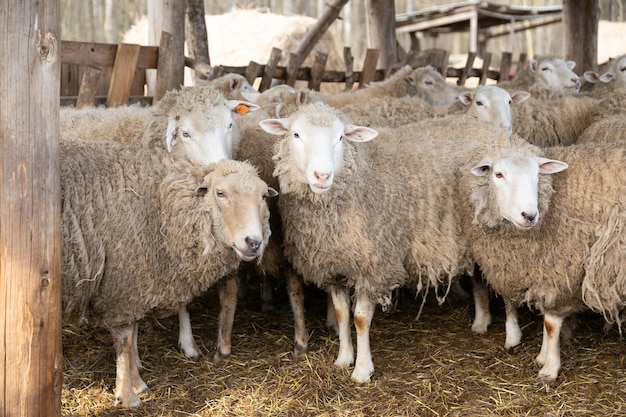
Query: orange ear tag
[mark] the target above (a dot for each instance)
(242, 109)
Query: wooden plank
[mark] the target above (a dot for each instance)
(103, 54)
(505, 66)
(369, 67)
(88, 86)
(123, 74)
(349, 62)
(166, 72)
(469, 64)
(292, 69)
(253, 71)
(31, 379)
(485, 70)
(317, 71)
(270, 69)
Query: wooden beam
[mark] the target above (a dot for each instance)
(30, 211)
(123, 74)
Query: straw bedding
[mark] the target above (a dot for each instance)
(431, 367)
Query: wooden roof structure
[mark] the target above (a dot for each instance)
(475, 16)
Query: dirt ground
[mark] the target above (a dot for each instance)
(434, 366)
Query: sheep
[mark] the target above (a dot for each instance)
(338, 231)
(233, 86)
(424, 82)
(562, 235)
(553, 120)
(140, 238)
(614, 77)
(489, 103)
(547, 72)
(123, 123)
(607, 123)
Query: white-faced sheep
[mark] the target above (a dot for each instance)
(338, 230)
(549, 73)
(562, 235)
(233, 86)
(613, 78)
(488, 103)
(142, 239)
(423, 82)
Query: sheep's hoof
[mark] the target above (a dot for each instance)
(219, 356)
(132, 401)
(299, 351)
(514, 350)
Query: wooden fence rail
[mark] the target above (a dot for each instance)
(111, 74)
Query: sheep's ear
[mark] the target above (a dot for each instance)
(482, 168)
(519, 96)
(234, 83)
(607, 77)
(466, 97)
(534, 65)
(202, 190)
(591, 76)
(241, 107)
(171, 133)
(275, 126)
(570, 64)
(271, 192)
(359, 133)
(551, 166)
(302, 97)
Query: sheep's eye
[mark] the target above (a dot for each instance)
(220, 193)
(499, 175)
(296, 135)
(545, 69)
(622, 69)
(428, 82)
(510, 102)
(230, 125)
(479, 103)
(186, 134)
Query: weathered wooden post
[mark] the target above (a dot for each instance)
(30, 233)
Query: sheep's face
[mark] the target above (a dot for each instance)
(513, 183)
(240, 199)
(493, 105)
(616, 73)
(316, 144)
(556, 74)
(206, 134)
(430, 85)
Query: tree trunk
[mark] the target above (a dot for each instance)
(168, 16)
(196, 33)
(580, 33)
(30, 232)
(381, 30)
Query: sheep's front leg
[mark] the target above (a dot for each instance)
(296, 299)
(550, 355)
(228, 304)
(127, 378)
(363, 313)
(341, 301)
(482, 316)
(513, 331)
(186, 341)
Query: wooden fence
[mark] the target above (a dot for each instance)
(110, 74)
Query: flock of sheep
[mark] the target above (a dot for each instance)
(409, 183)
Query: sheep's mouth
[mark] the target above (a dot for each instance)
(247, 256)
(319, 189)
(525, 225)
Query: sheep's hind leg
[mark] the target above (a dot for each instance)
(127, 374)
(228, 304)
(513, 331)
(482, 316)
(363, 313)
(296, 299)
(186, 341)
(341, 301)
(550, 355)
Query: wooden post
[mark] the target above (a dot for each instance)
(580, 33)
(381, 31)
(30, 232)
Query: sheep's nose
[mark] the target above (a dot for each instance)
(253, 244)
(530, 217)
(322, 176)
